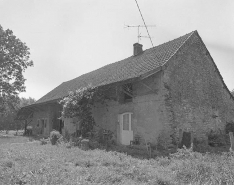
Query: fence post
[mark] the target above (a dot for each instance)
(231, 141)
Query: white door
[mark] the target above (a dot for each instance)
(126, 133)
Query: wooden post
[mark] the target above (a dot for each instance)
(192, 138)
(180, 138)
(231, 141)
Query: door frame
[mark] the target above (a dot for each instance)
(126, 136)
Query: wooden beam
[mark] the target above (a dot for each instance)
(146, 75)
(129, 94)
(146, 86)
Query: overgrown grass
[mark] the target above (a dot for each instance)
(32, 163)
(9, 138)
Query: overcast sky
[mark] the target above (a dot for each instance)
(68, 38)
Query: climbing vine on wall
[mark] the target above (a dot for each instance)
(79, 104)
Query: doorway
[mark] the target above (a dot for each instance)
(126, 133)
(186, 140)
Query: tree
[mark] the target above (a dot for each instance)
(232, 92)
(14, 59)
(26, 101)
(79, 104)
(7, 120)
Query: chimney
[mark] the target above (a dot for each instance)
(137, 49)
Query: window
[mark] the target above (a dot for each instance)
(127, 93)
(127, 121)
(38, 123)
(45, 122)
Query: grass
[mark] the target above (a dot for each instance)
(11, 138)
(31, 163)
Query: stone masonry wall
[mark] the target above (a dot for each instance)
(51, 112)
(147, 108)
(38, 115)
(195, 97)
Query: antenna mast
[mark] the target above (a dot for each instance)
(138, 30)
(144, 22)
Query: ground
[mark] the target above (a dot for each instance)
(25, 161)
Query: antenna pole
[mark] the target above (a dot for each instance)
(138, 30)
(144, 23)
(138, 33)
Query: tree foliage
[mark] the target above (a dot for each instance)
(232, 92)
(14, 59)
(26, 101)
(7, 120)
(79, 104)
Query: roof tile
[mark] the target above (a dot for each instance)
(128, 68)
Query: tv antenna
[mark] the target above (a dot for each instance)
(139, 36)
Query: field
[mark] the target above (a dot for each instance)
(27, 162)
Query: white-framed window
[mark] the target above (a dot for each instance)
(127, 121)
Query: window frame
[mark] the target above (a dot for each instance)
(127, 94)
(129, 120)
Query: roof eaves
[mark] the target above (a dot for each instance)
(41, 103)
(45, 100)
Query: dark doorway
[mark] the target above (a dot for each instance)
(61, 125)
(186, 140)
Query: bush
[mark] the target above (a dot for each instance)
(43, 141)
(216, 139)
(164, 141)
(67, 136)
(182, 153)
(54, 136)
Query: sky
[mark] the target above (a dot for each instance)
(68, 38)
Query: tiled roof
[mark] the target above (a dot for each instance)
(128, 68)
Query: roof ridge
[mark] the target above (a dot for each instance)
(190, 34)
(130, 67)
(181, 44)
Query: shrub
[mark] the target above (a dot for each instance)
(163, 161)
(54, 136)
(229, 127)
(164, 141)
(182, 153)
(216, 139)
(79, 104)
(43, 141)
(75, 141)
(67, 136)
(200, 146)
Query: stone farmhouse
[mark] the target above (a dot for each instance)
(170, 93)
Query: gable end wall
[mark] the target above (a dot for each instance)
(195, 96)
